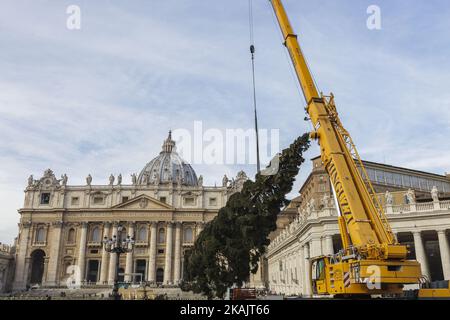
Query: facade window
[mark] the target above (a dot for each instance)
(75, 201)
(142, 234)
(163, 199)
(213, 201)
(98, 200)
(371, 174)
(95, 235)
(397, 179)
(40, 234)
(71, 236)
(188, 235)
(424, 184)
(380, 176)
(45, 198)
(161, 235)
(123, 234)
(160, 251)
(445, 187)
(415, 182)
(406, 181)
(389, 178)
(125, 199)
(140, 268)
(189, 201)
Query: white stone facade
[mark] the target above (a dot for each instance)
(164, 210)
(316, 232)
(6, 267)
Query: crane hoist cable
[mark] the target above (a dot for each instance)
(289, 63)
(252, 53)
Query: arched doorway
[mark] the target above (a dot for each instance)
(159, 275)
(37, 266)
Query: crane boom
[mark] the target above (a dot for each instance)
(367, 238)
(363, 221)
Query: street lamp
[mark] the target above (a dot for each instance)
(118, 246)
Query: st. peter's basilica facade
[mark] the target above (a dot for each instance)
(164, 209)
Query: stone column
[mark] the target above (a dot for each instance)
(55, 245)
(152, 253)
(45, 275)
(105, 256)
(21, 272)
(129, 261)
(289, 273)
(329, 249)
(301, 268)
(315, 247)
(307, 290)
(445, 253)
(168, 262)
(27, 274)
(82, 252)
(420, 253)
(112, 258)
(177, 262)
(200, 226)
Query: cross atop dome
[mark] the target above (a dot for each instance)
(169, 144)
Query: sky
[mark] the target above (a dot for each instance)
(101, 99)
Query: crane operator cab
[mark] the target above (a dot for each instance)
(318, 280)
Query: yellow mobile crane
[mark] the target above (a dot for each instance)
(372, 261)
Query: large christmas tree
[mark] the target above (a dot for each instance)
(230, 246)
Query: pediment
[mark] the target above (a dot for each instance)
(143, 202)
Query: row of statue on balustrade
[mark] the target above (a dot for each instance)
(410, 196)
(50, 179)
(301, 219)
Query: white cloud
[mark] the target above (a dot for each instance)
(101, 100)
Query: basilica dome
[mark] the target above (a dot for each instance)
(168, 167)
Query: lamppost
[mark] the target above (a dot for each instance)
(118, 246)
